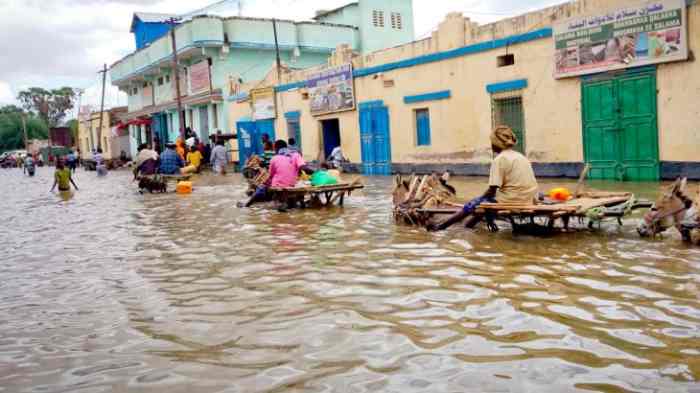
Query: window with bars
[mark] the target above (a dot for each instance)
(378, 18)
(507, 109)
(396, 21)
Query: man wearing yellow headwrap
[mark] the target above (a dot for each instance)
(511, 179)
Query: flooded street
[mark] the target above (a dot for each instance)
(112, 291)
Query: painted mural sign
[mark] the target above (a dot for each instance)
(331, 90)
(199, 77)
(651, 33)
(263, 102)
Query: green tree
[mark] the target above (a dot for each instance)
(50, 105)
(73, 125)
(12, 132)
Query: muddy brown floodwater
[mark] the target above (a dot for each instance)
(112, 291)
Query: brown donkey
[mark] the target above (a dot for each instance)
(673, 208)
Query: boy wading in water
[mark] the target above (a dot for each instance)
(62, 178)
(511, 180)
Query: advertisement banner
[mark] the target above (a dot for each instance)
(199, 77)
(263, 102)
(331, 90)
(651, 33)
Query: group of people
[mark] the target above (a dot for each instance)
(183, 157)
(511, 178)
(284, 163)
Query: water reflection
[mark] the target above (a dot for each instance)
(112, 291)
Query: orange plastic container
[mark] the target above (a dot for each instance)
(559, 194)
(184, 187)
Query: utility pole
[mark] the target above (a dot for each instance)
(76, 142)
(102, 107)
(277, 52)
(176, 71)
(24, 128)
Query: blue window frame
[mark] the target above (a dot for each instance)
(422, 127)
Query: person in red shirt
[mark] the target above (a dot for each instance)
(284, 170)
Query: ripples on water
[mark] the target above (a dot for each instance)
(112, 291)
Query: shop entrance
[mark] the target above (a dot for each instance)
(203, 130)
(160, 126)
(620, 132)
(331, 136)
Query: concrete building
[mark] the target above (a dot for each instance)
(430, 104)
(113, 138)
(218, 54)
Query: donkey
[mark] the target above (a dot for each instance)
(673, 208)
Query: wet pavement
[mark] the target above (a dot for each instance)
(107, 290)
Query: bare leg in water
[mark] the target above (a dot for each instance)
(467, 211)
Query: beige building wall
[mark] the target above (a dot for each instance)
(460, 125)
(91, 126)
(679, 101)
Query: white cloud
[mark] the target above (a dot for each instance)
(7, 96)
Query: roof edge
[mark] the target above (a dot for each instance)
(324, 13)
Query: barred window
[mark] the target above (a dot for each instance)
(378, 18)
(507, 110)
(396, 21)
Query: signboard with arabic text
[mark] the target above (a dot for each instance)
(651, 33)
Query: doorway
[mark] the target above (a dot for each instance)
(203, 122)
(160, 126)
(620, 131)
(331, 136)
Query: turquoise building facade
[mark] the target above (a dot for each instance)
(381, 24)
(228, 52)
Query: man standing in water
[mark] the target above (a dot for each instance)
(511, 180)
(100, 166)
(219, 157)
(62, 177)
(29, 165)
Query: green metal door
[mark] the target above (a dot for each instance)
(638, 125)
(600, 136)
(620, 129)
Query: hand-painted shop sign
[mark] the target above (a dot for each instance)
(331, 90)
(651, 33)
(199, 77)
(263, 102)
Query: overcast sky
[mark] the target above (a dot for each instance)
(53, 43)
